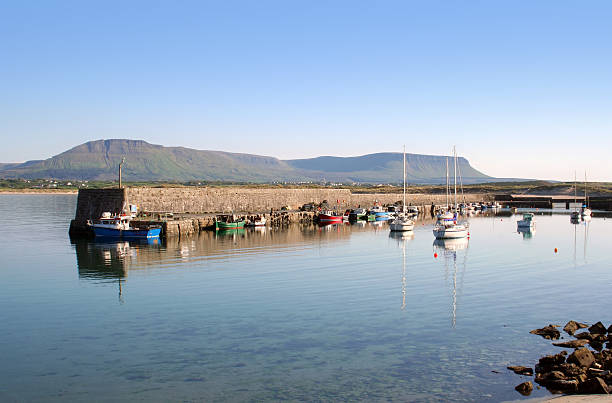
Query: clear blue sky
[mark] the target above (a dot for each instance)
(523, 88)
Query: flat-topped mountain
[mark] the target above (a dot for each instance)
(99, 160)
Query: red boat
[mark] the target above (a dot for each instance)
(327, 217)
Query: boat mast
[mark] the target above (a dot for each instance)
(586, 204)
(455, 154)
(447, 185)
(574, 190)
(404, 203)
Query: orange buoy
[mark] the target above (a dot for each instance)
(435, 255)
(555, 250)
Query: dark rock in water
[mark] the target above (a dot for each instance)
(598, 328)
(548, 332)
(610, 329)
(583, 336)
(572, 343)
(563, 385)
(571, 370)
(572, 326)
(521, 370)
(525, 388)
(581, 357)
(594, 386)
(549, 361)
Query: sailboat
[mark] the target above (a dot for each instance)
(574, 215)
(446, 213)
(448, 228)
(402, 222)
(585, 211)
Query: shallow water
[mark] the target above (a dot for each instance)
(317, 314)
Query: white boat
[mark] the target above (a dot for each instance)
(401, 221)
(527, 221)
(258, 221)
(575, 215)
(449, 228)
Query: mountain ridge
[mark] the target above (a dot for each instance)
(99, 160)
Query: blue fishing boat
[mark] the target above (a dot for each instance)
(118, 226)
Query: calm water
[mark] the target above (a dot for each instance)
(298, 314)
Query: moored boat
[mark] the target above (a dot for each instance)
(228, 221)
(446, 227)
(327, 217)
(527, 221)
(258, 221)
(118, 226)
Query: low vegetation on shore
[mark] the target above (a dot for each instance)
(529, 187)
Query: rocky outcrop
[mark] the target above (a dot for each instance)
(583, 371)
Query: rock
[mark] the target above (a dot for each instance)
(547, 362)
(594, 386)
(583, 336)
(572, 326)
(572, 343)
(525, 388)
(521, 370)
(581, 357)
(549, 332)
(571, 370)
(567, 386)
(610, 329)
(598, 328)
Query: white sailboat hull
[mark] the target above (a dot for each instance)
(454, 232)
(399, 225)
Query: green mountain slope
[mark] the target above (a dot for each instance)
(99, 160)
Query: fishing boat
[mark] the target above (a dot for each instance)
(357, 214)
(379, 212)
(328, 217)
(228, 221)
(449, 228)
(527, 221)
(402, 222)
(118, 226)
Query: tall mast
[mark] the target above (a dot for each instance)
(404, 204)
(455, 153)
(447, 185)
(585, 193)
(574, 190)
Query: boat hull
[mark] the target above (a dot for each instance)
(127, 233)
(394, 226)
(450, 233)
(327, 219)
(229, 225)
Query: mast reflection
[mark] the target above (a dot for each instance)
(449, 248)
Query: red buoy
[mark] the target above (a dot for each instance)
(555, 250)
(435, 255)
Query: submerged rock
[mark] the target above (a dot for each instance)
(572, 326)
(521, 370)
(548, 332)
(572, 343)
(525, 388)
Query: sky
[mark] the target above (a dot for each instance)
(522, 88)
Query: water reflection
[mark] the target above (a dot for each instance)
(449, 249)
(402, 237)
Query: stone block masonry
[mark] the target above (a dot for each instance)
(92, 203)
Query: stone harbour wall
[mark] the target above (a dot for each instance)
(243, 200)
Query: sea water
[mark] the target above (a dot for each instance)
(338, 313)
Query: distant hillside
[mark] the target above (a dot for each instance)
(99, 160)
(387, 167)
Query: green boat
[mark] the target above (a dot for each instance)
(225, 222)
